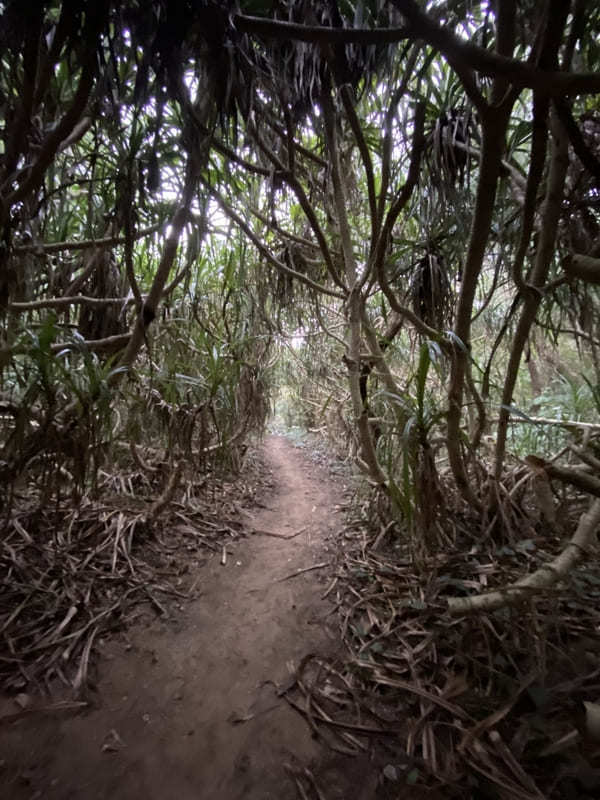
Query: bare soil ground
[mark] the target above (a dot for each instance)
(189, 708)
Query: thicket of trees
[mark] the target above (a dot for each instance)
(408, 191)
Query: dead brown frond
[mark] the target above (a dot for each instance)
(431, 291)
(72, 575)
(489, 705)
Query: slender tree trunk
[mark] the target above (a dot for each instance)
(354, 304)
(491, 156)
(147, 312)
(539, 274)
(537, 384)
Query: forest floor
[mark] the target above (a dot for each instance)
(309, 604)
(192, 707)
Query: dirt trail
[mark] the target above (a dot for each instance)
(190, 710)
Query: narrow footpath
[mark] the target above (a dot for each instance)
(189, 709)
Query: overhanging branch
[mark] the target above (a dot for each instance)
(548, 82)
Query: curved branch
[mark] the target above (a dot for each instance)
(355, 124)
(282, 133)
(386, 157)
(291, 237)
(382, 242)
(548, 82)
(492, 147)
(323, 324)
(576, 477)
(543, 578)
(147, 312)
(537, 160)
(318, 34)
(66, 302)
(264, 251)
(418, 145)
(543, 259)
(84, 244)
(110, 344)
(292, 181)
(355, 303)
(587, 157)
(583, 267)
(58, 135)
(575, 332)
(519, 73)
(568, 424)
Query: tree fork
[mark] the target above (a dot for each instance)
(354, 303)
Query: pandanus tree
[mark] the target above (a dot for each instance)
(402, 174)
(108, 111)
(416, 166)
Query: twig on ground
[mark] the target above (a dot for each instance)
(305, 569)
(262, 532)
(51, 708)
(330, 588)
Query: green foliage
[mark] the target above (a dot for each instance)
(563, 399)
(61, 411)
(310, 177)
(405, 443)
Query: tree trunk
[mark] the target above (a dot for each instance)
(543, 260)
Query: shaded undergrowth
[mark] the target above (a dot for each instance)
(487, 706)
(74, 574)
